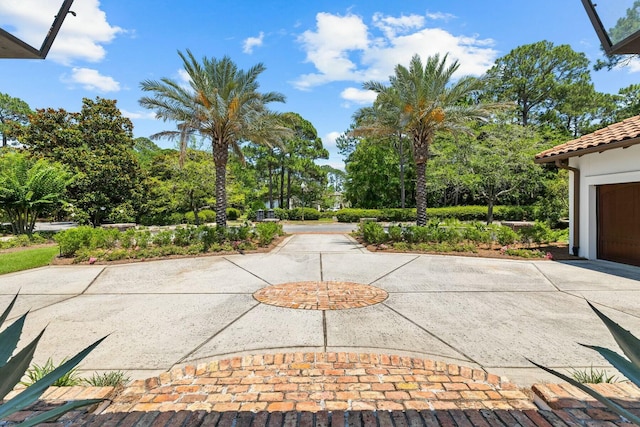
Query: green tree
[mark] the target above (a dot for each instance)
(372, 179)
(297, 158)
(97, 145)
(384, 120)
(536, 77)
(427, 101)
(221, 103)
(12, 111)
(501, 163)
(28, 188)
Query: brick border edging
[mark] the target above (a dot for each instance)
(320, 381)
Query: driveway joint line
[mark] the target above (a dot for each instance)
(470, 359)
(394, 270)
(208, 340)
(321, 272)
(546, 277)
(102, 270)
(324, 329)
(250, 272)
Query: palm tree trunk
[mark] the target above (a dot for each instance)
(270, 186)
(421, 194)
(220, 157)
(402, 190)
(421, 152)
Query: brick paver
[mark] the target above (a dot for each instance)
(321, 381)
(333, 389)
(321, 295)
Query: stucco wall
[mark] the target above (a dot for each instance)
(615, 166)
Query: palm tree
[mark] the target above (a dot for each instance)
(221, 103)
(426, 101)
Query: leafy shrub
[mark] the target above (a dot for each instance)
(205, 216)
(104, 238)
(184, 236)
(395, 233)
(267, 231)
(162, 238)
(23, 240)
(282, 214)
(372, 232)
(462, 213)
(73, 239)
(310, 214)
(505, 235)
(523, 253)
(232, 214)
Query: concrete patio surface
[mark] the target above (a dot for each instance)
(487, 314)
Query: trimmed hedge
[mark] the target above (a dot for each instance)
(462, 213)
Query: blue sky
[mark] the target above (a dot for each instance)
(317, 53)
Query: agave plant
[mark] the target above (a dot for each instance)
(629, 366)
(13, 368)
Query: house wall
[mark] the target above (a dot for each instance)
(615, 166)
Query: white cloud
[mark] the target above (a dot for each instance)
(329, 139)
(358, 96)
(329, 46)
(147, 115)
(344, 48)
(252, 42)
(439, 16)
(91, 79)
(632, 65)
(184, 76)
(81, 37)
(393, 25)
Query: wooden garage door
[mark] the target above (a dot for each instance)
(619, 223)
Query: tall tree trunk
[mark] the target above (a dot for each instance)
(421, 150)
(490, 202)
(401, 153)
(282, 206)
(4, 139)
(421, 194)
(220, 158)
(270, 185)
(288, 188)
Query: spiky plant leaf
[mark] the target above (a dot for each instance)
(9, 339)
(8, 309)
(32, 393)
(629, 344)
(625, 367)
(605, 401)
(56, 412)
(11, 373)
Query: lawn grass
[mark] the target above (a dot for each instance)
(26, 259)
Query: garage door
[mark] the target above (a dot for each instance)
(619, 223)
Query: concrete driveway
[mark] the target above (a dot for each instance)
(476, 312)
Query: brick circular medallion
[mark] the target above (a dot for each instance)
(321, 295)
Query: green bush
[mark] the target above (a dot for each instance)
(73, 239)
(374, 233)
(205, 216)
(505, 235)
(462, 213)
(267, 231)
(395, 233)
(310, 214)
(232, 214)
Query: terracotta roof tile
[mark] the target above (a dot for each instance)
(625, 130)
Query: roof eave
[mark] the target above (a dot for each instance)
(595, 149)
